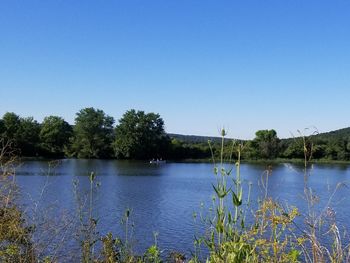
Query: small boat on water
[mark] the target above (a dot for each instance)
(157, 161)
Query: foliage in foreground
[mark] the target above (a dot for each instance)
(274, 235)
(15, 235)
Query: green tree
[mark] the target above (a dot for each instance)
(295, 149)
(28, 136)
(2, 128)
(55, 134)
(141, 136)
(267, 142)
(11, 124)
(251, 150)
(22, 132)
(93, 134)
(336, 149)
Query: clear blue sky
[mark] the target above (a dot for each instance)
(245, 65)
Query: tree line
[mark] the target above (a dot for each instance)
(332, 146)
(140, 135)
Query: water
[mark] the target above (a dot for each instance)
(162, 198)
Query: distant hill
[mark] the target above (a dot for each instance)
(331, 135)
(336, 134)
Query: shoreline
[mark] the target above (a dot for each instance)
(205, 160)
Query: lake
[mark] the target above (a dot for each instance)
(162, 198)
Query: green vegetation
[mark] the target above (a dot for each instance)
(265, 145)
(15, 235)
(23, 132)
(270, 238)
(93, 134)
(54, 135)
(140, 135)
(274, 235)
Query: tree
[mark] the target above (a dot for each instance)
(93, 134)
(22, 132)
(55, 134)
(140, 136)
(266, 141)
(28, 136)
(295, 149)
(11, 124)
(2, 128)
